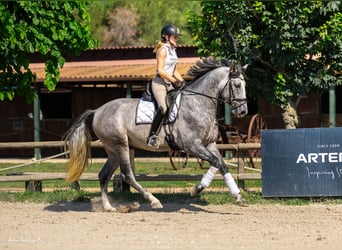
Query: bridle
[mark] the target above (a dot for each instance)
(232, 99)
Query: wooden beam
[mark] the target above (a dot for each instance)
(43, 176)
(41, 144)
(56, 144)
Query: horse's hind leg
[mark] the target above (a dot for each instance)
(128, 176)
(104, 177)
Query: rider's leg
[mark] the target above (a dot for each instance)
(152, 139)
(159, 92)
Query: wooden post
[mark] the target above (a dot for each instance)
(227, 134)
(241, 170)
(332, 107)
(33, 186)
(36, 121)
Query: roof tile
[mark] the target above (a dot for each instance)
(118, 70)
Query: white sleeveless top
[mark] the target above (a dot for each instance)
(171, 60)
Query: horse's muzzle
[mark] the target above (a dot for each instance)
(240, 110)
(242, 114)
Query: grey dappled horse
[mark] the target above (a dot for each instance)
(195, 130)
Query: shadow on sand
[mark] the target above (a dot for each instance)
(183, 205)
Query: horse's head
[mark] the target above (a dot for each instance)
(234, 91)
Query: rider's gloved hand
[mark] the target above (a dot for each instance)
(178, 84)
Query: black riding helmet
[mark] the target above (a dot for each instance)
(169, 30)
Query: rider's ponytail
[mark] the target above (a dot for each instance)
(157, 46)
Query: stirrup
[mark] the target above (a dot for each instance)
(153, 141)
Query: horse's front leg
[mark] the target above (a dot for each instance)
(213, 156)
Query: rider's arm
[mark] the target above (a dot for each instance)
(177, 75)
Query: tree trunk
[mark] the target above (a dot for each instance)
(290, 117)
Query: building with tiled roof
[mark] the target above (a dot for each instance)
(86, 82)
(100, 75)
(117, 64)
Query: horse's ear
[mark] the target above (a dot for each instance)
(234, 71)
(244, 67)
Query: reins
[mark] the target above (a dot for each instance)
(230, 102)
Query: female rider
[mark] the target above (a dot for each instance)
(167, 77)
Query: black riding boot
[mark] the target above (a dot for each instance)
(152, 139)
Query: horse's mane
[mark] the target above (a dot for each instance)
(204, 65)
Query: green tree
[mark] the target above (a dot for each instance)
(122, 27)
(152, 15)
(293, 47)
(52, 29)
(156, 14)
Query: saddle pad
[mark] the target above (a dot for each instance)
(145, 112)
(146, 109)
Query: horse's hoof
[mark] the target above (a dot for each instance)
(134, 206)
(240, 201)
(193, 191)
(156, 205)
(110, 209)
(124, 209)
(196, 190)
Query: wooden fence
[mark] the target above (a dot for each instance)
(33, 180)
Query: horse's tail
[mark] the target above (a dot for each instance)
(78, 141)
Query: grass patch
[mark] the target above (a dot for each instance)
(46, 197)
(60, 190)
(213, 198)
